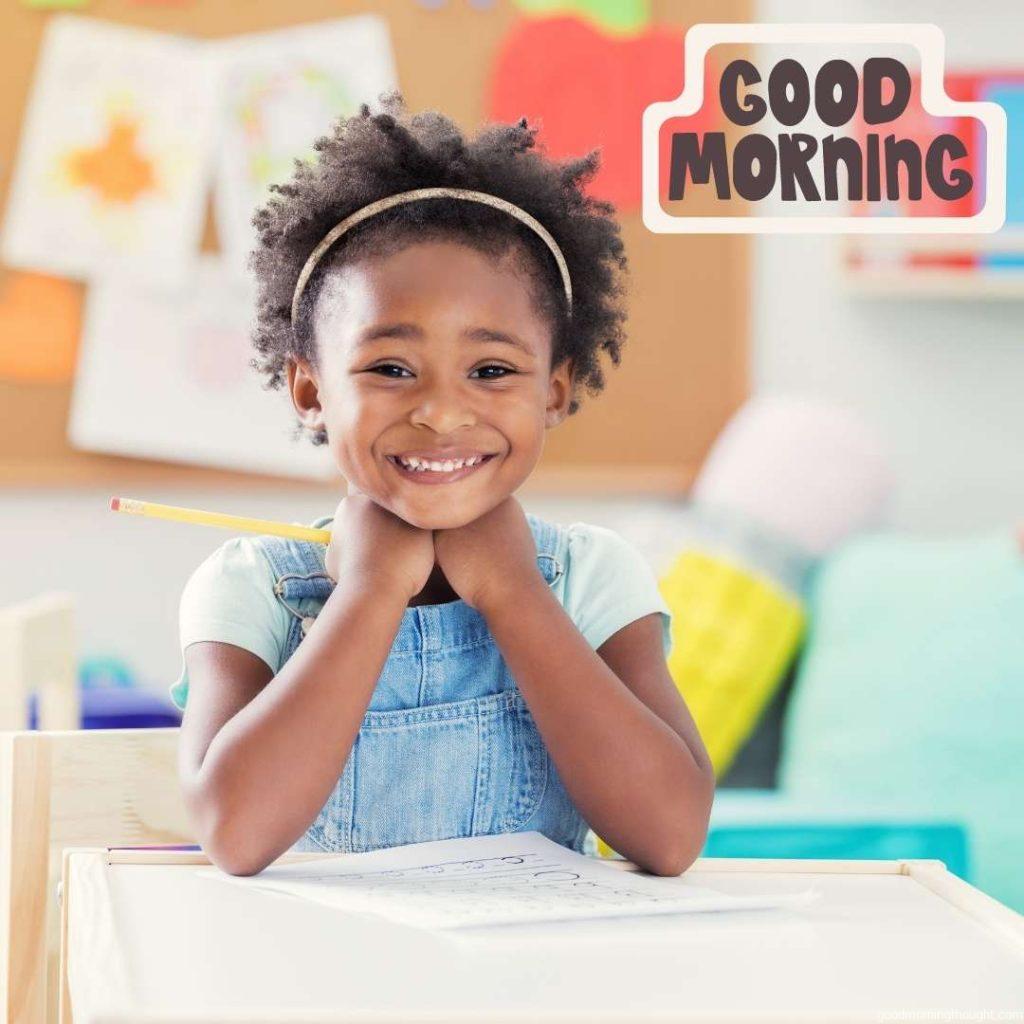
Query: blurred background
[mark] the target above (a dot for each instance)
(817, 444)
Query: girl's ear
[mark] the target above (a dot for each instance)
(305, 393)
(559, 393)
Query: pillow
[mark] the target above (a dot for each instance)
(805, 469)
(911, 690)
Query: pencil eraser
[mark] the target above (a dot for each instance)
(114, 504)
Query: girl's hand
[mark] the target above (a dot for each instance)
(492, 556)
(371, 544)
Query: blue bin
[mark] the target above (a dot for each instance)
(118, 707)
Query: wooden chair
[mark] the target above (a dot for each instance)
(37, 654)
(102, 787)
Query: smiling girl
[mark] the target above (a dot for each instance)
(449, 665)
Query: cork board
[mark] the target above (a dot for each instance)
(685, 365)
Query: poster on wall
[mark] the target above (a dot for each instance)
(281, 91)
(112, 170)
(166, 375)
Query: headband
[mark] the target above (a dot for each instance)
(428, 193)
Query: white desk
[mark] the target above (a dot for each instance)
(145, 940)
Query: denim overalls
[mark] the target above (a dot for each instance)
(448, 746)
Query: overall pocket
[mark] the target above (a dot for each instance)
(470, 767)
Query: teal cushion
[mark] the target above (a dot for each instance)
(772, 823)
(911, 691)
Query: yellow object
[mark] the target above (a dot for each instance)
(195, 515)
(734, 633)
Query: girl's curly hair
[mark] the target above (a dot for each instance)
(369, 156)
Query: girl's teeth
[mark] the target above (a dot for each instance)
(447, 466)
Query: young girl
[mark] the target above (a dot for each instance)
(448, 665)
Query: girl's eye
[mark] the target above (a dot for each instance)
(504, 370)
(384, 370)
(395, 372)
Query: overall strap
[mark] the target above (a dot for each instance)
(298, 565)
(552, 545)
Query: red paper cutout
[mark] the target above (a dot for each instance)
(587, 89)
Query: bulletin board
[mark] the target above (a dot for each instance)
(684, 366)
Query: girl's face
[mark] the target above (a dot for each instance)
(429, 357)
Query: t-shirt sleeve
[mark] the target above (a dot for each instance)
(610, 584)
(230, 598)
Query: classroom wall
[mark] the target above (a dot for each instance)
(671, 280)
(941, 381)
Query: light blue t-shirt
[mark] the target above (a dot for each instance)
(230, 597)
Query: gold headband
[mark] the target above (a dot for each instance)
(428, 193)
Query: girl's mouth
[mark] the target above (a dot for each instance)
(439, 471)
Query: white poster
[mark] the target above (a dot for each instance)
(165, 375)
(114, 162)
(282, 90)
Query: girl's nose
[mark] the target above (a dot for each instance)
(443, 411)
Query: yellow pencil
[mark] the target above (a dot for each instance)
(194, 515)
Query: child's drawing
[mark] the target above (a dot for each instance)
(165, 375)
(281, 91)
(112, 170)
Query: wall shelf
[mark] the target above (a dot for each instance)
(934, 283)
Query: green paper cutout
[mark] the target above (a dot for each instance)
(615, 16)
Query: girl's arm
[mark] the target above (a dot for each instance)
(621, 736)
(257, 761)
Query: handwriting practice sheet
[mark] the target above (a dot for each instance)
(491, 880)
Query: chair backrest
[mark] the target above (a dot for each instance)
(37, 654)
(102, 787)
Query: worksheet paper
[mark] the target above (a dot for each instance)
(491, 880)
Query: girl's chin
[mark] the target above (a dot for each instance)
(442, 513)
(437, 519)
(429, 513)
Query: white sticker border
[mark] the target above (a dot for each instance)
(930, 43)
